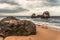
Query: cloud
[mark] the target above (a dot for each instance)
(53, 2)
(11, 6)
(9, 2)
(53, 6)
(16, 10)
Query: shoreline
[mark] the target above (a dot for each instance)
(48, 27)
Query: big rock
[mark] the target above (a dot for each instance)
(11, 26)
(45, 15)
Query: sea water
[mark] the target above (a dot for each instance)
(54, 20)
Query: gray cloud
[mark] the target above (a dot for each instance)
(53, 2)
(8, 2)
(13, 10)
(16, 10)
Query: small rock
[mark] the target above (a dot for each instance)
(33, 15)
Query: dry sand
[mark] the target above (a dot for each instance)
(43, 33)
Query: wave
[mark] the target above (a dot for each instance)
(54, 22)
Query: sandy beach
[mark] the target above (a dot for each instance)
(43, 33)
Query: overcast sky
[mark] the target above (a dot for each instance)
(27, 7)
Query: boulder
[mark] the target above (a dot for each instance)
(33, 15)
(45, 14)
(16, 27)
(27, 27)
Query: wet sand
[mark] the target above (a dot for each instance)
(43, 33)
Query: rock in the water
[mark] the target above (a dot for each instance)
(46, 14)
(38, 16)
(33, 15)
(17, 27)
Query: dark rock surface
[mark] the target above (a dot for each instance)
(9, 18)
(38, 16)
(33, 15)
(11, 26)
(45, 14)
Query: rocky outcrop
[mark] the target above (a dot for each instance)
(33, 15)
(11, 26)
(45, 15)
(38, 16)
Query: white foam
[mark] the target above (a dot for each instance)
(46, 23)
(43, 23)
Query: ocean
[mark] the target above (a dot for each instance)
(53, 20)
